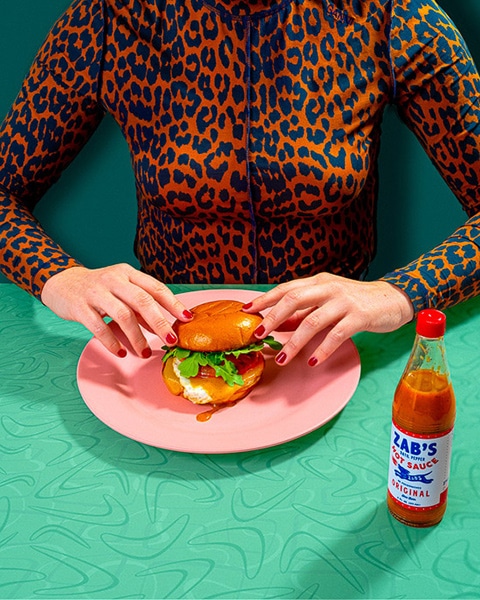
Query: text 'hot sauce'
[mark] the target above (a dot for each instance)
(423, 417)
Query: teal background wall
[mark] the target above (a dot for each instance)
(92, 210)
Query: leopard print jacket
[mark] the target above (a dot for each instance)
(254, 128)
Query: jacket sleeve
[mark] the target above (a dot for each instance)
(52, 118)
(437, 91)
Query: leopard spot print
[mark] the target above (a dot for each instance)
(254, 128)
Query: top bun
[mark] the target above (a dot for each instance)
(217, 326)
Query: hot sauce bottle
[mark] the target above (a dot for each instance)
(423, 416)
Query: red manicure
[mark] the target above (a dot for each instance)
(122, 353)
(187, 314)
(171, 339)
(247, 305)
(147, 352)
(312, 361)
(281, 358)
(259, 331)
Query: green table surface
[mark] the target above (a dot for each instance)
(88, 513)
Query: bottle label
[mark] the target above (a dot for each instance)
(419, 468)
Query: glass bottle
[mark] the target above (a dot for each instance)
(423, 416)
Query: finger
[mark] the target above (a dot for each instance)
(270, 298)
(149, 304)
(338, 335)
(123, 314)
(94, 322)
(296, 301)
(162, 294)
(294, 321)
(137, 308)
(313, 324)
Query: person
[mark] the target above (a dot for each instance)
(254, 130)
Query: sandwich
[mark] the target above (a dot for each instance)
(218, 359)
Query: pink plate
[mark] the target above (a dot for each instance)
(128, 395)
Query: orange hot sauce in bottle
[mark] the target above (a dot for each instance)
(423, 416)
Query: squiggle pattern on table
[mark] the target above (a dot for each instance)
(87, 513)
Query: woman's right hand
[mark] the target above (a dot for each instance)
(128, 296)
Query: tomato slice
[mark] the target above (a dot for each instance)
(244, 362)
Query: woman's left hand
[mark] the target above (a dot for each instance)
(343, 306)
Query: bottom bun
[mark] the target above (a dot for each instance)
(210, 390)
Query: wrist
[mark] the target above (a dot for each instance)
(404, 303)
(56, 279)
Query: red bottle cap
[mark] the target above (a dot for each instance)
(431, 323)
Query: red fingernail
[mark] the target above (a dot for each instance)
(187, 314)
(281, 358)
(147, 352)
(171, 339)
(312, 361)
(248, 305)
(122, 353)
(259, 331)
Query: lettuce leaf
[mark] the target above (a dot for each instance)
(191, 361)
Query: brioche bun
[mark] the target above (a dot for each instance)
(217, 326)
